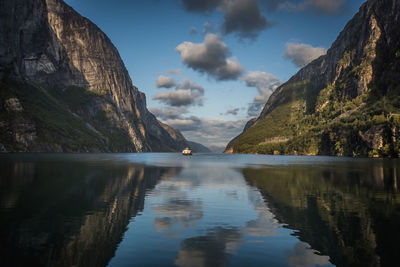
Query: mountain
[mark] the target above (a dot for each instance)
(217, 149)
(64, 87)
(198, 148)
(345, 103)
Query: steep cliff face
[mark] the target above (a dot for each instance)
(343, 103)
(54, 61)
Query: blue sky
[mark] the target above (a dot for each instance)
(260, 44)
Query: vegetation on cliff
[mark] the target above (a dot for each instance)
(345, 103)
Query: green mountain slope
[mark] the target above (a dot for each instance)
(346, 103)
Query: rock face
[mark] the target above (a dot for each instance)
(64, 86)
(344, 103)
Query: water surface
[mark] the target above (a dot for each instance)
(163, 209)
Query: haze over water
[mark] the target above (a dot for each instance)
(163, 209)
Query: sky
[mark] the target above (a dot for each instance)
(208, 66)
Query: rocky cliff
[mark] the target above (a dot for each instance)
(344, 103)
(65, 88)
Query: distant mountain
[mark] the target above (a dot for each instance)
(64, 87)
(217, 149)
(198, 148)
(346, 103)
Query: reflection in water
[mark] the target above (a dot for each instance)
(210, 249)
(206, 210)
(303, 256)
(175, 205)
(265, 224)
(347, 211)
(68, 213)
(209, 217)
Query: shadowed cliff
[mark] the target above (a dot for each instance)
(64, 87)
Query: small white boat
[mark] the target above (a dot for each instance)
(187, 152)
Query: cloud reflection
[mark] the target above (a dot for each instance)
(177, 210)
(303, 256)
(210, 249)
(265, 224)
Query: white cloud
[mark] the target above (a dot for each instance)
(180, 97)
(266, 84)
(210, 57)
(233, 111)
(208, 131)
(302, 54)
(185, 94)
(165, 82)
(167, 113)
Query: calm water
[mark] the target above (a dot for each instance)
(205, 210)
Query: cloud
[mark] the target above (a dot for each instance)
(193, 31)
(165, 82)
(243, 17)
(302, 54)
(189, 85)
(192, 123)
(185, 94)
(233, 111)
(266, 84)
(174, 71)
(179, 97)
(168, 113)
(168, 82)
(319, 7)
(325, 7)
(210, 57)
(273, 5)
(201, 6)
(208, 131)
(208, 27)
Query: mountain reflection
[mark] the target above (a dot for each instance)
(349, 211)
(69, 213)
(303, 256)
(218, 210)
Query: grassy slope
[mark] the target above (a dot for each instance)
(325, 121)
(56, 126)
(337, 129)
